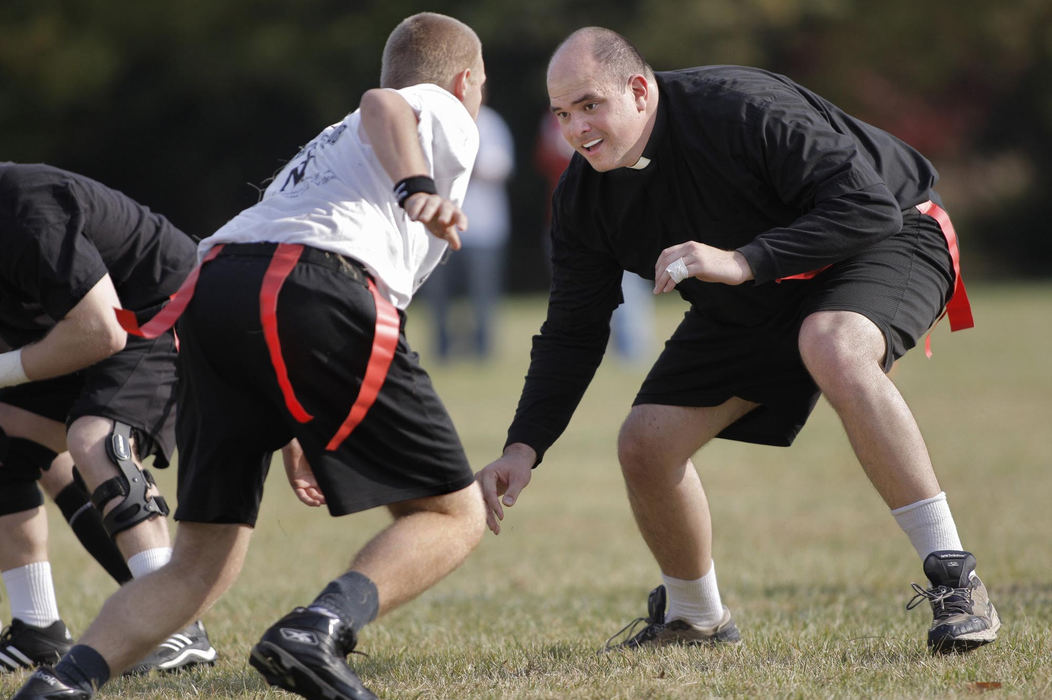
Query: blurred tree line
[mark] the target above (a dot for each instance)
(190, 106)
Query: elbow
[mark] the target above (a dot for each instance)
(372, 101)
(376, 105)
(118, 341)
(884, 211)
(112, 340)
(892, 219)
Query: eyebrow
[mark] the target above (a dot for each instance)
(587, 97)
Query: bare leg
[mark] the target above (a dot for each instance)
(666, 495)
(428, 539)
(844, 353)
(205, 562)
(23, 538)
(87, 443)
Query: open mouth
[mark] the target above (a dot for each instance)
(591, 145)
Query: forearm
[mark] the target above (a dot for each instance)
(88, 334)
(833, 230)
(560, 372)
(69, 347)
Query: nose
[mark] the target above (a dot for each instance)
(574, 128)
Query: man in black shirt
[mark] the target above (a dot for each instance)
(71, 379)
(813, 256)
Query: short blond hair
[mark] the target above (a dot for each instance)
(428, 48)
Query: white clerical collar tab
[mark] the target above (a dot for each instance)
(641, 163)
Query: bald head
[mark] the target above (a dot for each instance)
(428, 48)
(604, 51)
(604, 96)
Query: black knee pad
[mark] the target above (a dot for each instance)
(21, 462)
(16, 497)
(130, 485)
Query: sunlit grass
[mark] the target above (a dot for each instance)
(809, 560)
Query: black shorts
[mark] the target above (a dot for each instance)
(233, 415)
(136, 386)
(901, 284)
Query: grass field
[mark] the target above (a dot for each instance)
(809, 560)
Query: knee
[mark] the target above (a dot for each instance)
(204, 575)
(636, 451)
(473, 516)
(85, 441)
(839, 350)
(462, 513)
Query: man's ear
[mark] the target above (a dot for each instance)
(460, 83)
(640, 88)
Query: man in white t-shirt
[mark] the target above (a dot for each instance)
(292, 339)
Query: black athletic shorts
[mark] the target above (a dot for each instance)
(901, 284)
(233, 415)
(136, 386)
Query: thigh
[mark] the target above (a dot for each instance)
(673, 433)
(18, 422)
(231, 416)
(406, 446)
(462, 502)
(136, 387)
(901, 284)
(706, 363)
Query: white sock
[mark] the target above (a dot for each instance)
(32, 594)
(929, 525)
(697, 602)
(148, 560)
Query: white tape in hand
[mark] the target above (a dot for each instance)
(677, 270)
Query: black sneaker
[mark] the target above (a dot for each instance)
(29, 646)
(657, 632)
(187, 647)
(45, 685)
(964, 616)
(306, 652)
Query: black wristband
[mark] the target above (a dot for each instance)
(409, 186)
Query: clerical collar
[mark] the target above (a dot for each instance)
(640, 164)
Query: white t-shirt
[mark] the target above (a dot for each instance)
(336, 196)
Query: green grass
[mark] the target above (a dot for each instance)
(809, 560)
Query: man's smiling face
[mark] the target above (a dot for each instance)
(603, 118)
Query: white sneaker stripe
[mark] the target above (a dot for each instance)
(15, 663)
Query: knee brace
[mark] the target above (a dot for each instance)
(20, 463)
(131, 484)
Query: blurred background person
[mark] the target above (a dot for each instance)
(478, 267)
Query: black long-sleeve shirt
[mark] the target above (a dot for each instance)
(740, 159)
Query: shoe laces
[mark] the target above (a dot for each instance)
(649, 629)
(944, 600)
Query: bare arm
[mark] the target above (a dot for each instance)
(88, 334)
(389, 124)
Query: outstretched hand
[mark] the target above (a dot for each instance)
(442, 217)
(300, 475)
(506, 477)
